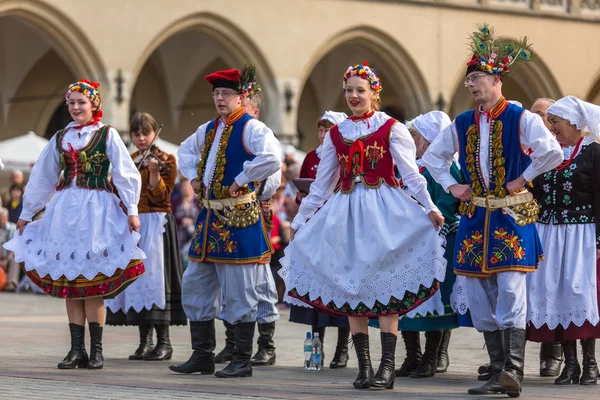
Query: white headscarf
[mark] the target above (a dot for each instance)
(1, 165)
(334, 117)
(431, 124)
(585, 116)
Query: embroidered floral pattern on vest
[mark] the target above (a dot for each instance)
(219, 191)
(374, 153)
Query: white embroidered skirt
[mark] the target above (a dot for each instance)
(367, 253)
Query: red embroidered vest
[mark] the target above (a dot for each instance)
(367, 158)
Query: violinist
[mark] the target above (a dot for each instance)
(154, 303)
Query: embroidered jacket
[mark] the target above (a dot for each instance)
(367, 159)
(89, 165)
(570, 194)
(220, 237)
(159, 198)
(310, 165)
(491, 241)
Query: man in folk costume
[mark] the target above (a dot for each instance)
(502, 147)
(226, 159)
(267, 312)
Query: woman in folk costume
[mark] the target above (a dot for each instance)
(371, 250)
(301, 312)
(439, 324)
(153, 302)
(563, 293)
(84, 249)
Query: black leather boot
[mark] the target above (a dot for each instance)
(494, 342)
(551, 358)
(511, 376)
(163, 349)
(428, 365)
(77, 356)
(240, 365)
(96, 357)
(321, 332)
(571, 370)
(590, 367)
(385, 376)
(226, 354)
(340, 359)
(412, 343)
(485, 372)
(365, 370)
(443, 359)
(265, 355)
(146, 343)
(203, 344)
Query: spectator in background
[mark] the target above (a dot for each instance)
(15, 202)
(7, 258)
(289, 155)
(16, 178)
(186, 212)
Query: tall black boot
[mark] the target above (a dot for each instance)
(203, 344)
(551, 358)
(265, 355)
(340, 359)
(412, 343)
(240, 365)
(163, 349)
(590, 367)
(146, 343)
(365, 370)
(321, 332)
(385, 376)
(571, 371)
(96, 357)
(485, 372)
(429, 361)
(511, 376)
(77, 356)
(494, 342)
(226, 354)
(443, 359)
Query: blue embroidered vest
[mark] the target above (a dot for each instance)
(490, 241)
(216, 237)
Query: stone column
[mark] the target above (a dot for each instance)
(116, 98)
(288, 102)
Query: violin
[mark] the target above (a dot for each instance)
(140, 161)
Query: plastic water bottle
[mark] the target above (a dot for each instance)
(317, 350)
(307, 351)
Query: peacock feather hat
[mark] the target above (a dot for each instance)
(248, 85)
(496, 55)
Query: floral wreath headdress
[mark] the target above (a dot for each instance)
(248, 85)
(90, 90)
(496, 55)
(365, 72)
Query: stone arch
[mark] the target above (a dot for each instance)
(529, 82)
(593, 95)
(404, 87)
(227, 42)
(30, 96)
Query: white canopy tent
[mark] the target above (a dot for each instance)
(22, 152)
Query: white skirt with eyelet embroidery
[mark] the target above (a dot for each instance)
(563, 290)
(83, 232)
(364, 247)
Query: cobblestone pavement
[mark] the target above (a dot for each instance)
(34, 337)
